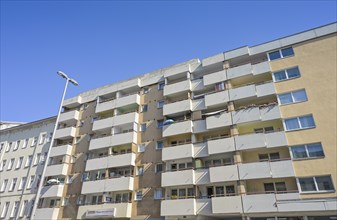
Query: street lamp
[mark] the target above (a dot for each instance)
(63, 75)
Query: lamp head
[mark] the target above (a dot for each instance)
(60, 73)
(73, 82)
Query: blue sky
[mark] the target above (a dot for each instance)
(101, 42)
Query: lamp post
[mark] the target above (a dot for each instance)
(38, 193)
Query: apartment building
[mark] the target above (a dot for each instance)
(22, 155)
(246, 134)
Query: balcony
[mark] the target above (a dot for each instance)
(106, 210)
(259, 170)
(198, 104)
(177, 107)
(61, 150)
(197, 85)
(57, 169)
(269, 140)
(178, 152)
(69, 117)
(133, 99)
(111, 161)
(199, 126)
(107, 185)
(218, 121)
(250, 114)
(217, 99)
(214, 78)
(177, 128)
(113, 140)
(223, 173)
(47, 213)
(177, 88)
(115, 121)
(178, 178)
(52, 191)
(227, 205)
(65, 133)
(248, 69)
(223, 145)
(178, 207)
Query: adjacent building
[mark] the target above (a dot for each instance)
(246, 134)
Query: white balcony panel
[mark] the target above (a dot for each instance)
(270, 113)
(108, 185)
(178, 178)
(242, 51)
(291, 203)
(239, 71)
(222, 145)
(282, 169)
(202, 176)
(276, 139)
(111, 161)
(227, 205)
(177, 88)
(246, 115)
(72, 102)
(118, 102)
(214, 78)
(197, 85)
(265, 89)
(261, 68)
(198, 104)
(178, 207)
(107, 210)
(200, 150)
(223, 173)
(259, 203)
(219, 121)
(177, 107)
(58, 169)
(61, 150)
(177, 128)
(64, 133)
(250, 141)
(199, 126)
(47, 213)
(204, 206)
(242, 92)
(114, 140)
(115, 121)
(177, 152)
(216, 59)
(69, 116)
(177, 70)
(52, 191)
(217, 99)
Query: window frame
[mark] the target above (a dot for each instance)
(286, 74)
(157, 148)
(299, 123)
(308, 157)
(292, 97)
(160, 104)
(316, 185)
(281, 54)
(161, 86)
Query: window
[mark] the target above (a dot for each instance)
(22, 183)
(158, 193)
(10, 164)
(139, 195)
(316, 184)
(34, 142)
(140, 170)
(49, 137)
(65, 201)
(37, 159)
(19, 163)
(161, 86)
(270, 156)
(144, 108)
(16, 145)
(2, 146)
(23, 208)
(272, 187)
(160, 104)
(42, 138)
(160, 123)
(159, 145)
(143, 127)
(31, 181)
(286, 52)
(264, 130)
(9, 146)
(141, 147)
(13, 184)
(302, 122)
(286, 74)
(15, 209)
(2, 165)
(25, 143)
(5, 210)
(29, 160)
(292, 97)
(159, 168)
(4, 185)
(307, 151)
(219, 86)
(145, 90)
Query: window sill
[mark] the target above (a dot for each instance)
(283, 80)
(300, 129)
(308, 158)
(318, 192)
(291, 103)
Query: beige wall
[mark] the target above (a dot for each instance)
(317, 62)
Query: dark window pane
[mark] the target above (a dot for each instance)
(315, 150)
(263, 157)
(274, 156)
(324, 183)
(307, 121)
(287, 52)
(293, 72)
(280, 187)
(268, 187)
(292, 124)
(299, 152)
(307, 184)
(274, 55)
(285, 98)
(280, 75)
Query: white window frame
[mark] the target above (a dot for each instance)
(155, 196)
(19, 163)
(42, 138)
(143, 127)
(292, 97)
(34, 141)
(140, 170)
(156, 169)
(31, 182)
(16, 145)
(280, 51)
(9, 146)
(4, 185)
(10, 164)
(299, 122)
(141, 147)
(161, 85)
(3, 165)
(29, 161)
(37, 159)
(306, 151)
(287, 75)
(23, 208)
(157, 148)
(138, 195)
(160, 104)
(23, 182)
(13, 184)
(25, 143)
(142, 107)
(5, 209)
(316, 186)
(15, 209)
